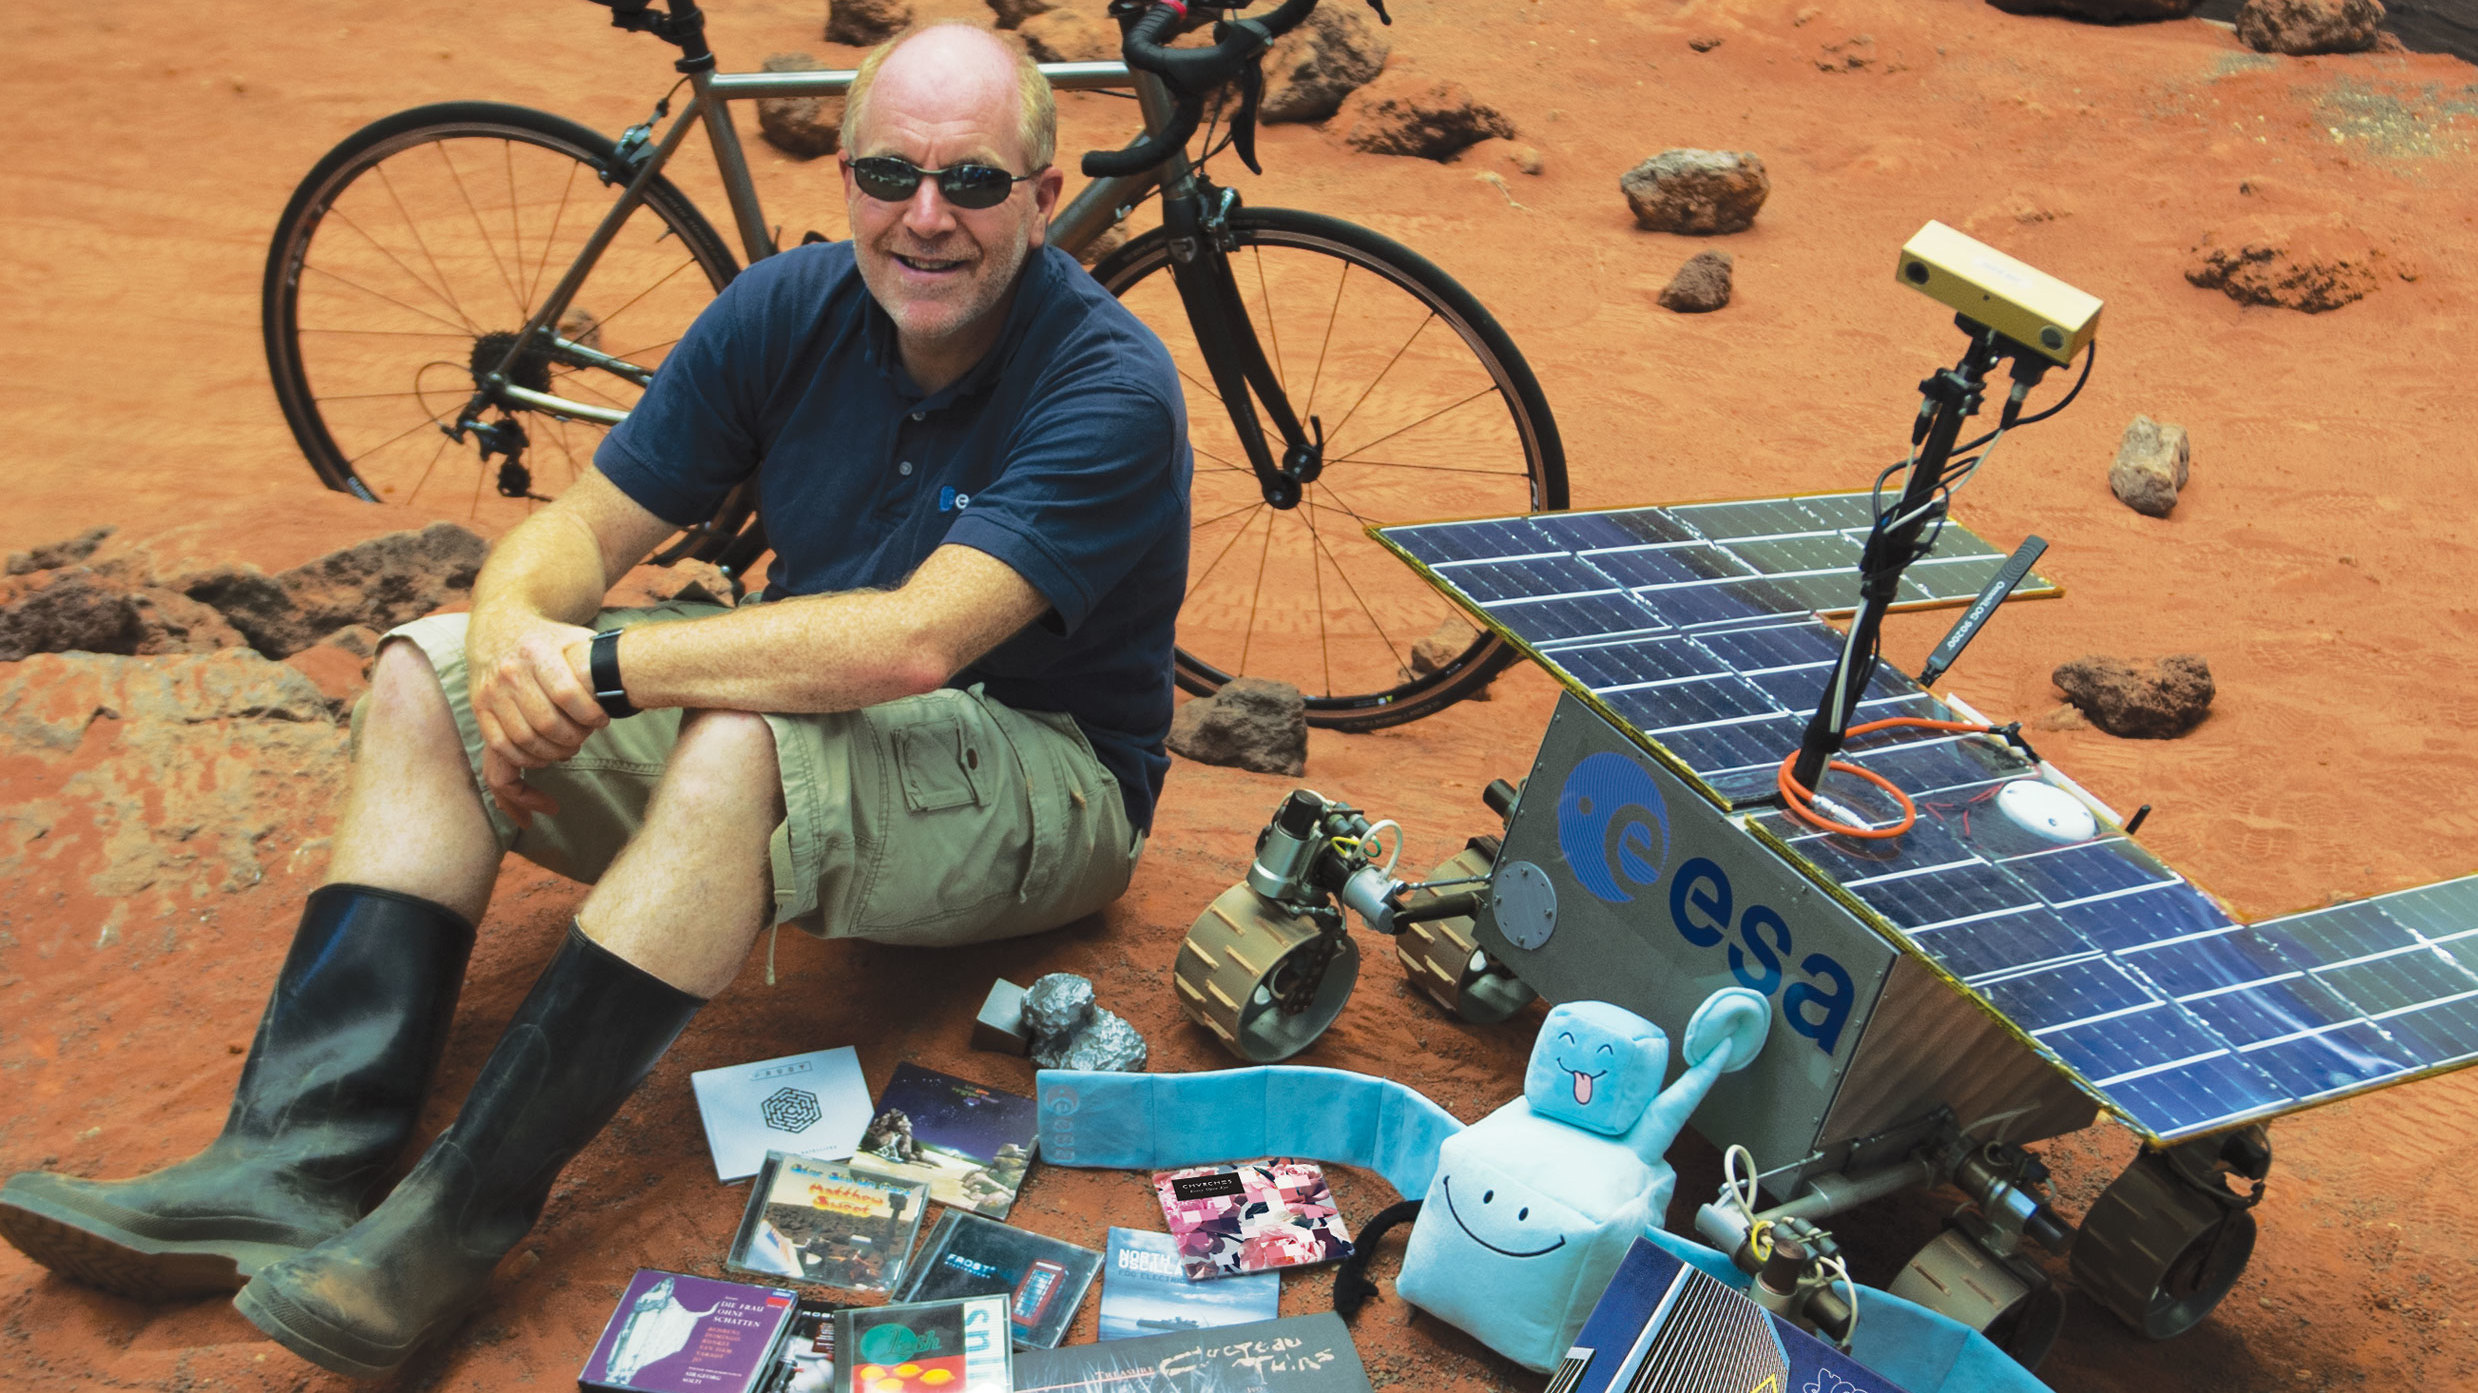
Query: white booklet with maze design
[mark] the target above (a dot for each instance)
(813, 1104)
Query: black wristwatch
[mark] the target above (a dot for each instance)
(602, 664)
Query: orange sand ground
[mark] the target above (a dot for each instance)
(2320, 561)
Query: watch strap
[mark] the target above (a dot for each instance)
(602, 665)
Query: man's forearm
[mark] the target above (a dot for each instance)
(550, 566)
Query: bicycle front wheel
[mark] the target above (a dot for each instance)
(405, 266)
(1427, 411)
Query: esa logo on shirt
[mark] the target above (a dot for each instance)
(949, 501)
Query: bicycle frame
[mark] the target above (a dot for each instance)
(1094, 209)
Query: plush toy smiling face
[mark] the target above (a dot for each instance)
(1595, 1065)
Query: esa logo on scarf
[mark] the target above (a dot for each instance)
(949, 501)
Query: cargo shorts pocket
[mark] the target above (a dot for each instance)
(956, 840)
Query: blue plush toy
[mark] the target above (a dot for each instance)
(1528, 1211)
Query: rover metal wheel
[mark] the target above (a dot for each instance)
(1444, 960)
(1239, 960)
(2160, 1247)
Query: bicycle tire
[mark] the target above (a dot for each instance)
(1378, 689)
(403, 283)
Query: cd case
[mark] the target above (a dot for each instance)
(674, 1333)
(970, 1143)
(1145, 1292)
(1042, 1279)
(817, 1221)
(1255, 1216)
(957, 1346)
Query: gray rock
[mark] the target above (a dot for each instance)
(75, 612)
(52, 555)
(1400, 114)
(2157, 702)
(2104, 11)
(1700, 192)
(1057, 1004)
(1012, 13)
(1309, 70)
(1701, 285)
(866, 22)
(1250, 724)
(805, 127)
(1107, 1042)
(1070, 1032)
(2151, 467)
(2301, 27)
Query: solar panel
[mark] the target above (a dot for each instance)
(1698, 630)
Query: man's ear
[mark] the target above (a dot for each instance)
(1045, 190)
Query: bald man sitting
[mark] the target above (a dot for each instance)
(944, 724)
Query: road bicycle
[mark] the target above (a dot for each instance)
(462, 298)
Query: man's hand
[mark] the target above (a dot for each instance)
(532, 700)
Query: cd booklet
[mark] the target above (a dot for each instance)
(957, 1346)
(970, 1143)
(1145, 1292)
(1256, 1216)
(674, 1333)
(817, 1221)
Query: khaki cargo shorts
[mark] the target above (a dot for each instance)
(937, 819)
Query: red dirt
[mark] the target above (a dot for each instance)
(2319, 560)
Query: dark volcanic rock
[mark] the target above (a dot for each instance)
(1250, 724)
(1696, 191)
(381, 582)
(1442, 645)
(1399, 114)
(77, 611)
(806, 127)
(1309, 70)
(1012, 13)
(1701, 285)
(1070, 36)
(2158, 702)
(52, 555)
(865, 22)
(2301, 27)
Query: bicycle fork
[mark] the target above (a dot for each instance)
(1197, 222)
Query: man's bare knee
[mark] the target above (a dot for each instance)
(726, 757)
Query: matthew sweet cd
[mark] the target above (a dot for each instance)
(817, 1221)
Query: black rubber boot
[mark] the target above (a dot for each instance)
(585, 1037)
(326, 1102)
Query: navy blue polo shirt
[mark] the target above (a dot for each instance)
(1062, 453)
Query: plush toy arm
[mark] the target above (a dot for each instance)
(1152, 1121)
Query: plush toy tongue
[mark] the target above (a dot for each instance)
(1583, 1086)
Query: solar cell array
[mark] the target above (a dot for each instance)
(2130, 977)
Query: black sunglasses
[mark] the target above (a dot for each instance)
(890, 179)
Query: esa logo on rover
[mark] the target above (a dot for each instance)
(1613, 831)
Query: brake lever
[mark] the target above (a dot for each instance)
(1243, 125)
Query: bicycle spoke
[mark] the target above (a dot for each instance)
(1424, 420)
(1324, 632)
(351, 284)
(575, 378)
(1256, 596)
(1199, 386)
(1430, 468)
(1220, 462)
(370, 396)
(559, 215)
(435, 455)
(1379, 379)
(444, 297)
(1225, 551)
(516, 228)
(1273, 331)
(1333, 313)
(415, 227)
(392, 333)
(632, 300)
(1401, 664)
(417, 425)
(497, 262)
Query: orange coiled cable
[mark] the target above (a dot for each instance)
(1798, 800)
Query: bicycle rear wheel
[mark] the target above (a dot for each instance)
(1428, 412)
(410, 257)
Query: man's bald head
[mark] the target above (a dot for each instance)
(956, 61)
